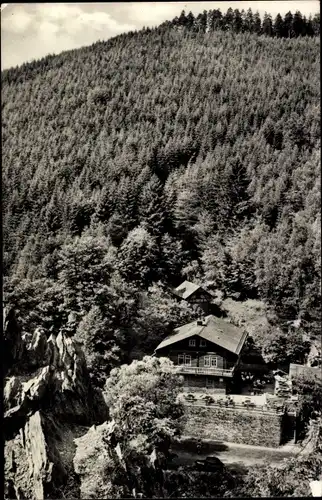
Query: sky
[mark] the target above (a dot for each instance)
(32, 31)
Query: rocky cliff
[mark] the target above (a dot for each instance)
(48, 402)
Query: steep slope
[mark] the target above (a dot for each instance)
(160, 155)
(164, 154)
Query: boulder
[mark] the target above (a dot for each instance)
(37, 349)
(32, 468)
(94, 462)
(12, 393)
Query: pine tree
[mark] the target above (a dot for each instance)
(267, 27)
(228, 19)
(214, 19)
(190, 20)
(186, 210)
(237, 23)
(52, 214)
(249, 21)
(257, 23)
(126, 202)
(106, 202)
(310, 27)
(118, 229)
(201, 22)
(172, 257)
(151, 206)
(316, 24)
(79, 213)
(182, 21)
(278, 26)
(288, 25)
(298, 26)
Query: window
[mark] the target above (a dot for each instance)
(181, 359)
(210, 383)
(187, 360)
(213, 361)
(210, 361)
(202, 343)
(192, 343)
(184, 359)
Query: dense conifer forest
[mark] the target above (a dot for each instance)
(186, 151)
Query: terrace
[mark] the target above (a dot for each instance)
(201, 370)
(263, 403)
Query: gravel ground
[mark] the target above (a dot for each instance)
(235, 456)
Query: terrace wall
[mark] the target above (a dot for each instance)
(237, 426)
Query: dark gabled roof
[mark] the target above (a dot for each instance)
(213, 329)
(186, 289)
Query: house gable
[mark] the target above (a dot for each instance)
(196, 344)
(214, 330)
(191, 291)
(200, 296)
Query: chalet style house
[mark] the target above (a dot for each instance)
(194, 294)
(207, 353)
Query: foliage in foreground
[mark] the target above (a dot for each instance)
(293, 477)
(291, 480)
(127, 455)
(309, 389)
(186, 482)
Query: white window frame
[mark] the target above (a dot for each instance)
(213, 361)
(187, 360)
(181, 358)
(206, 361)
(192, 342)
(202, 343)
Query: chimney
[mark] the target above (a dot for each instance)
(201, 321)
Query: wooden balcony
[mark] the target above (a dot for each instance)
(201, 370)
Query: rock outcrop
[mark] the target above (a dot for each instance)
(48, 402)
(93, 462)
(13, 346)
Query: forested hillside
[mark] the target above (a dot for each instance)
(157, 156)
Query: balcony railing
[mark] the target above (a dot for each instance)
(200, 370)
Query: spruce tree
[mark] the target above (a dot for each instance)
(249, 21)
(151, 206)
(278, 26)
(257, 23)
(267, 27)
(288, 25)
(298, 24)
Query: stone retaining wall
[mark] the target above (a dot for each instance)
(237, 426)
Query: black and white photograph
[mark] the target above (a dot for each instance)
(161, 250)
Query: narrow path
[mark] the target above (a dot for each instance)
(235, 454)
(288, 447)
(284, 448)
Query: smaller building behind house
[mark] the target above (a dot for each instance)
(196, 295)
